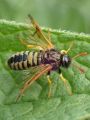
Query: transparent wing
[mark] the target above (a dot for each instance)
(32, 79)
(37, 38)
(24, 75)
(30, 72)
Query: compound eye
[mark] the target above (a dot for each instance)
(66, 61)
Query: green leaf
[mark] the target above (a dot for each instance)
(35, 105)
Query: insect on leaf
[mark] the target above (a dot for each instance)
(35, 104)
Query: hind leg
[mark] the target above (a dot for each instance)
(34, 78)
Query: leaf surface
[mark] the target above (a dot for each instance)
(35, 105)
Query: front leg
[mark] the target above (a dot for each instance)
(49, 83)
(66, 83)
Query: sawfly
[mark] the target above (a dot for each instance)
(47, 57)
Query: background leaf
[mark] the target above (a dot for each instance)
(35, 105)
(65, 14)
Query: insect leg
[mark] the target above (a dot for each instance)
(49, 83)
(27, 44)
(66, 83)
(30, 81)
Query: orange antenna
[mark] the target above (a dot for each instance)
(80, 54)
(80, 69)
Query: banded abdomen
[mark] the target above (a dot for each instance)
(24, 60)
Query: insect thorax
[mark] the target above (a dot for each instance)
(52, 57)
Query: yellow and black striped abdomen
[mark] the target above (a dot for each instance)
(24, 60)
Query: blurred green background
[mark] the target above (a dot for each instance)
(73, 15)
